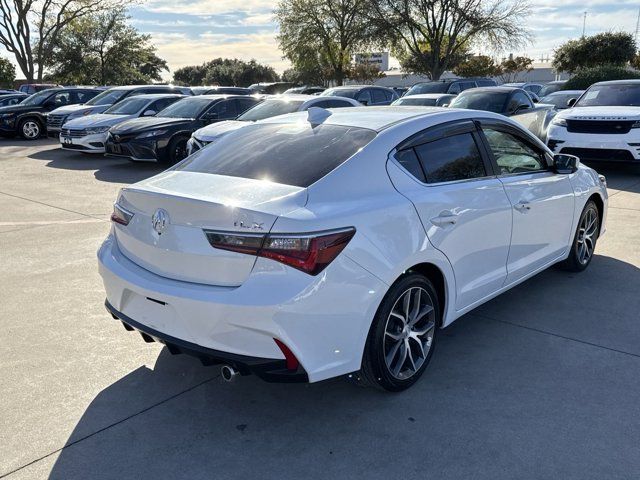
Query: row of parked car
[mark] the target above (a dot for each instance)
(166, 123)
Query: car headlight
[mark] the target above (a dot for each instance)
(94, 130)
(152, 133)
(560, 122)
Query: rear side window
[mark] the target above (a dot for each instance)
(452, 158)
(290, 154)
(378, 96)
(409, 160)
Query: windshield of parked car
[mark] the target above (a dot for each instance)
(270, 108)
(487, 101)
(37, 98)
(297, 154)
(549, 88)
(559, 99)
(341, 92)
(430, 87)
(619, 95)
(128, 106)
(425, 102)
(186, 108)
(108, 97)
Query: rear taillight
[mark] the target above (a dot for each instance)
(120, 215)
(311, 252)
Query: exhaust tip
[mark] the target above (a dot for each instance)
(228, 373)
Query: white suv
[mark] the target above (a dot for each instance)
(602, 125)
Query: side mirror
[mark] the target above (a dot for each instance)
(444, 105)
(149, 113)
(565, 164)
(571, 102)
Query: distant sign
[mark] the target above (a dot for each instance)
(380, 59)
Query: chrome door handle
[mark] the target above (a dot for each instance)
(444, 219)
(522, 206)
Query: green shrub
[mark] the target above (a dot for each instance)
(586, 77)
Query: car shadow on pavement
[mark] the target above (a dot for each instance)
(496, 398)
(107, 169)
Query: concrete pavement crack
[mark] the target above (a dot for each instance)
(52, 206)
(133, 415)
(546, 332)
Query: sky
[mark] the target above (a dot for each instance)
(190, 32)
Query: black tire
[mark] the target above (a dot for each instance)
(586, 237)
(176, 150)
(30, 128)
(377, 370)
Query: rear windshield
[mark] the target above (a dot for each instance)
(270, 108)
(108, 97)
(291, 154)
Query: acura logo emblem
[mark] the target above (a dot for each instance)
(160, 220)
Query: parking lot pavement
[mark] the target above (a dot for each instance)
(541, 382)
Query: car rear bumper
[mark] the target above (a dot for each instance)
(324, 320)
(595, 147)
(268, 369)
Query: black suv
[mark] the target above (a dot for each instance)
(450, 86)
(29, 117)
(369, 95)
(163, 138)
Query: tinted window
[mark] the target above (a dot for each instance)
(488, 101)
(332, 104)
(409, 160)
(467, 85)
(512, 154)
(486, 83)
(341, 92)
(550, 88)
(62, 99)
(455, 88)
(518, 99)
(83, 97)
(38, 98)
(378, 96)
(223, 110)
(430, 87)
(163, 103)
(186, 108)
(451, 158)
(128, 106)
(108, 97)
(291, 154)
(245, 104)
(364, 97)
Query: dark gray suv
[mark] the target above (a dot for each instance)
(365, 94)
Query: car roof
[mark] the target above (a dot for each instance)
(381, 118)
(219, 96)
(565, 92)
(630, 81)
(293, 96)
(134, 87)
(154, 96)
(357, 87)
(430, 95)
(499, 89)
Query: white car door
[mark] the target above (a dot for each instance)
(462, 205)
(542, 200)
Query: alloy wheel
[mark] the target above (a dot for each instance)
(180, 151)
(587, 236)
(31, 129)
(408, 334)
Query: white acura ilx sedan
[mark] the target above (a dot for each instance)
(327, 242)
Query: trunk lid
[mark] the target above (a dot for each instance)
(192, 202)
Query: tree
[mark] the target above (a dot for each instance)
(329, 31)
(477, 66)
(365, 73)
(7, 73)
(585, 77)
(103, 49)
(29, 29)
(602, 49)
(511, 67)
(226, 71)
(433, 36)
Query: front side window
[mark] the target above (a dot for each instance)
(519, 100)
(451, 158)
(379, 96)
(512, 154)
(297, 154)
(364, 97)
(62, 99)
